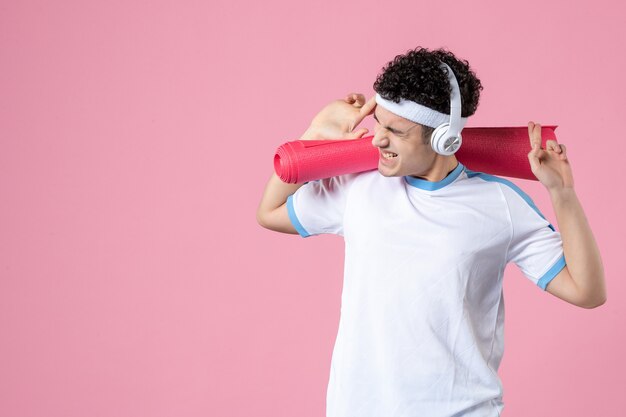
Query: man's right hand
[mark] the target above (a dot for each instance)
(339, 119)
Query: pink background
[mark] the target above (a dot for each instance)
(136, 138)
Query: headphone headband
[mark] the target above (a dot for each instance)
(455, 103)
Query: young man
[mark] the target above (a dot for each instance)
(427, 241)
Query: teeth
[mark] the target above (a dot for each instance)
(389, 154)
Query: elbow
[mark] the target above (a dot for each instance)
(594, 294)
(260, 219)
(594, 302)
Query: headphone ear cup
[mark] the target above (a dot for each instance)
(437, 135)
(442, 143)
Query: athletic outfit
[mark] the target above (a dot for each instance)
(422, 313)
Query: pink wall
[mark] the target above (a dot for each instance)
(135, 141)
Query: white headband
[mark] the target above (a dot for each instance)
(416, 112)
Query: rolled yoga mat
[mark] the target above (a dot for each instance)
(499, 151)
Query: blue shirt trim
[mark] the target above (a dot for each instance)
(552, 273)
(432, 186)
(514, 187)
(294, 219)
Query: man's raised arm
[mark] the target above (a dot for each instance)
(581, 282)
(337, 120)
(272, 212)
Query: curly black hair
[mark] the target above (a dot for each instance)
(418, 76)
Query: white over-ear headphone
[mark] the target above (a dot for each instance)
(446, 138)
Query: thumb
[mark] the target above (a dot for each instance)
(357, 134)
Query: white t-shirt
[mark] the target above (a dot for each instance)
(422, 313)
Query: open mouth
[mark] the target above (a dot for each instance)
(388, 155)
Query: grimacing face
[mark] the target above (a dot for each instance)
(399, 136)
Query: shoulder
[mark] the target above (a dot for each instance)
(516, 199)
(347, 180)
(339, 185)
(509, 188)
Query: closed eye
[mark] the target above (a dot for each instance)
(391, 129)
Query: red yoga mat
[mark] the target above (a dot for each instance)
(499, 151)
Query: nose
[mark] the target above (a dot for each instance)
(380, 139)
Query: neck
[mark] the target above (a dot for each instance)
(440, 168)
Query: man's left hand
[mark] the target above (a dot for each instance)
(550, 165)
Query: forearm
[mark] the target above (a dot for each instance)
(581, 251)
(276, 191)
(275, 194)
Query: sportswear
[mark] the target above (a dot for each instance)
(422, 312)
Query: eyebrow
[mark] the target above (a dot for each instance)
(389, 128)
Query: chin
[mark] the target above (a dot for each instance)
(386, 173)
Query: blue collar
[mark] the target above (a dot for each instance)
(431, 186)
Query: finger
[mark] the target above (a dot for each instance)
(369, 107)
(537, 135)
(534, 159)
(356, 98)
(534, 134)
(536, 153)
(552, 145)
(357, 133)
